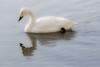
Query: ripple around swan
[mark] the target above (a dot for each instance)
(45, 40)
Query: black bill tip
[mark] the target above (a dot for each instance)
(20, 18)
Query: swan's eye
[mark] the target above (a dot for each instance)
(23, 13)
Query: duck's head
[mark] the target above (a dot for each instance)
(24, 12)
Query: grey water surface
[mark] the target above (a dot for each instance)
(80, 48)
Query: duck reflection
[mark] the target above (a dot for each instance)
(44, 40)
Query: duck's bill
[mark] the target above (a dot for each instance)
(20, 18)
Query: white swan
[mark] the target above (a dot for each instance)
(45, 24)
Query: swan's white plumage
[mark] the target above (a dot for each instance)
(46, 24)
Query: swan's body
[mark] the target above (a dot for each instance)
(45, 24)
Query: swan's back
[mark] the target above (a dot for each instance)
(51, 24)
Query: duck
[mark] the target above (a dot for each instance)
(48, 24)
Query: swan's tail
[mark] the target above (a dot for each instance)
(70, 25)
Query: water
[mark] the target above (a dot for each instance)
(72, 49)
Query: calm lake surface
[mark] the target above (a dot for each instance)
(80, 48)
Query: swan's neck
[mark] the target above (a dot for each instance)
(31, 23)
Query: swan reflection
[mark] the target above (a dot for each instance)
(44, 40)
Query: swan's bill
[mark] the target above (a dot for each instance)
(21, 16)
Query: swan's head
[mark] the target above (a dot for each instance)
(24, 12)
